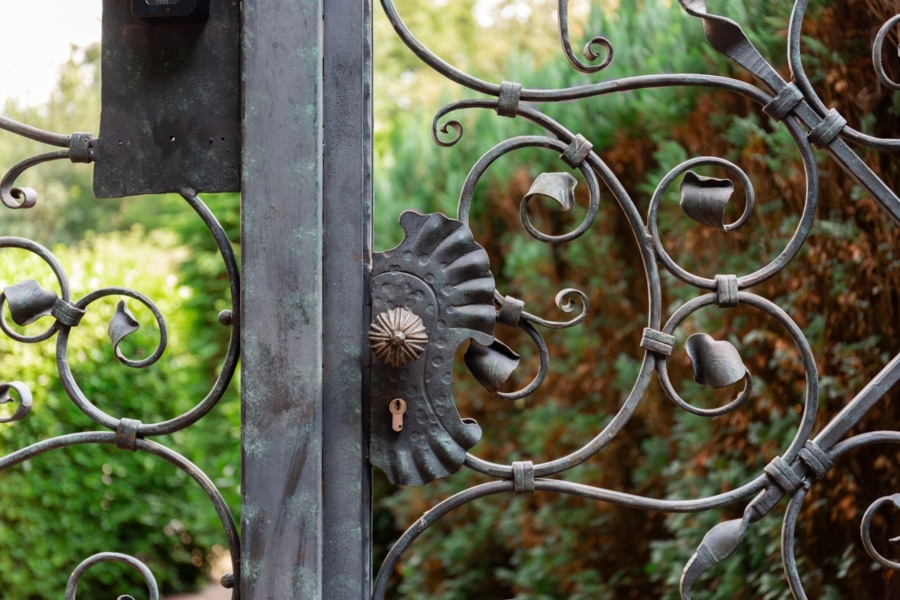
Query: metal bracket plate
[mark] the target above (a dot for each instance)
(171, 103)
(429, 295)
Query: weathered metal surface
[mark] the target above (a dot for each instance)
(171, 101)
(347, 193)
(170, 11)
(441, 278)
(282, 406)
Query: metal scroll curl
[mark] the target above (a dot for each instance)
(430, 294)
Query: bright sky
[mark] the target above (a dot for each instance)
(37, 36)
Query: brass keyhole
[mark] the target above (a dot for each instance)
(398, 409)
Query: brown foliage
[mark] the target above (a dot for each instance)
(846, 286)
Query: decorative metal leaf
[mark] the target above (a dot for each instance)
(25, 400)
(705, 199)
(28, 301)
(556, 186)
(491, 365)
(121, 325)
(719, 543)
(716, 363)
(440, 276)
(727, 38)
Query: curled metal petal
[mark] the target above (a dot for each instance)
(718, 544)
(865, 531)
(491, 365)
(28, 301)
(131, 561)
(120, 326)
(716, 363)
(64, 292)
(123, 324)
(704, 199)
(590, 48)
(556, 186)
(700, 215)
(507, 146)
(25, 400)
(544, 367)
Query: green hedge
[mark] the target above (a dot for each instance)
(60, 508)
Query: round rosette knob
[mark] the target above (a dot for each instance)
(397, 337)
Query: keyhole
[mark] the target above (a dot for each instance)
(397, 408)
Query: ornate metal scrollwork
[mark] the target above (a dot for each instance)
(28, 302)
(792, 105)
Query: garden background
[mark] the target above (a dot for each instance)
(842, 290)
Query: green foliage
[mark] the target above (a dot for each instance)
(558, 547)
(61, 507)
(64, 506)
(68, 504)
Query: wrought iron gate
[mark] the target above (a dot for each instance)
(347, 356)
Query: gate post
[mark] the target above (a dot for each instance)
(305, 484)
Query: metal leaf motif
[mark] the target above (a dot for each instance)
(491, 365)
(728, 38)
(121, 325)
(704, 199)
(556, 186)
(719, 543)
(28, 301)
(25, 400)
(716, 363)
(438, 274)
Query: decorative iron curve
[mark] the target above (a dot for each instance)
(27, 302)
(792, 104)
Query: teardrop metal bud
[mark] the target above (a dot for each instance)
(719, 543)
(491, 365)
(716, 363)
(28, 301)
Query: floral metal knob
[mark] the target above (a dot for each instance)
(398, 337)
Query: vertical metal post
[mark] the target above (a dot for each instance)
(305, 480)
(347, 255)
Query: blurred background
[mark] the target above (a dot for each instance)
(842, 290)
